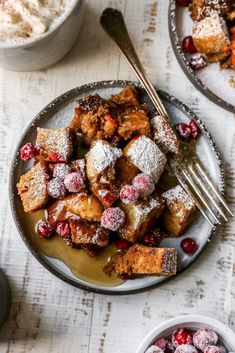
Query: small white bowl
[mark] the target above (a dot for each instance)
(194, 322)
(48, 48)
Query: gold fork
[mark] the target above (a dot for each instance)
(187, 167)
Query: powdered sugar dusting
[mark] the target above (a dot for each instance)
(164, 135)
(141, 210)
(103, 155)
(177, 194)
(213, 25)
(154, 349)
(147, 156)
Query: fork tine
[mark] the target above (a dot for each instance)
(220, 197)
(200, 195)
(185, 186)
(206, 191)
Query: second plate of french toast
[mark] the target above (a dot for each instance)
(93, 194)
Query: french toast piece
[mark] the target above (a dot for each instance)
(199, 9)
(146, 156)
(88, 233)
(145, 260)
(179, 212)
(81, 205)
(100, 168)
(56, 145)
(210, 35)
(128, 97)
(125, 170)
(140, 217)
(32, 188)
(164, 135)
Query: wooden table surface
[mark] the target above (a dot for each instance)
(48, 315)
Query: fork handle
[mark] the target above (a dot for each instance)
(113, 23)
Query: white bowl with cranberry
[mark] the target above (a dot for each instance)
(189, 334)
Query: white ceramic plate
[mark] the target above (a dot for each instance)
(211, 80)
(58, 114)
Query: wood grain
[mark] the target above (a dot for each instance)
(48, 315)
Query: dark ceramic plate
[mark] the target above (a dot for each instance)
(58, 114)
(211, 80)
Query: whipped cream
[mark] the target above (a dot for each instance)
(24, 19)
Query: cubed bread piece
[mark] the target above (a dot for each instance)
(32, 188)
(56, 145)
(145, 260)
(81, 205)
(146, 156)
(133, 120)
(164, 135)
(126, 170)
(127, 97)
(200, 9)
(100, 168)
(210, 35)
(179, 212)
(140, 217)
(88, 233)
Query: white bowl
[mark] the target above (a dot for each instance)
(194, 322)
(51, 46)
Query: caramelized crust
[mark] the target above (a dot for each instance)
(88, 233)
(140, 217)
(133, 121)
(200, 9)
(85, 206)
(144, 260)
(32, 188)
(128, 97)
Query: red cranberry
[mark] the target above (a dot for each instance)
(182, 336)
(112, 218)
(79, 166)
(122, 244)
(188, 45)
(28, 151)
(44, 229)
(109, 198)
(56, 188)
(55, 157)
(188, 245)
(63, 229)
(165, 345)
(198, 61)
(144, 184)
(116, 139)
(183, 130)
(195, 130)
(183, 2)
(60, 170)
(74, 182)
(204, 337)
(153, 238)
(129, 194)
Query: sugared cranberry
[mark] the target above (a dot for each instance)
(56, 188)
(74, 182)
(149, 240)
(182, 336)
(122, 244)
(55, 157)
(214, 349)
(44, 229)
(116, 140)
(188, 245)
(28, 151)
(195, 130)
(60, 170)
(203, 338)
(198, 61)
(183, 2)
(183, 130)
(186, 348)
(165, 345)
(154, 349)
(63, 229)
(188, 45)
(129, 194)
(144, 184)
(112, 218)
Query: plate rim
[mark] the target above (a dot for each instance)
(13, 192)
(184, 64)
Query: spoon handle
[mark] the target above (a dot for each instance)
(113, 23)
